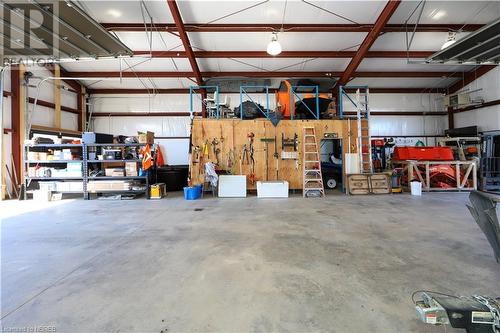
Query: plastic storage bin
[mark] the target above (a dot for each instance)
(193, 192)
(416, 188)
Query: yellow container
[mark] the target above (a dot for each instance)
(157, 191)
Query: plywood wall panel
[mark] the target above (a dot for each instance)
(232, 134)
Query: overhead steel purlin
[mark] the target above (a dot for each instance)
(244, 92)
(294, 94)
(193, 90)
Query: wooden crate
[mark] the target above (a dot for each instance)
(411, 170)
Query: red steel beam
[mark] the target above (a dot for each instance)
(104, 91)
(52, 105)
(285, 54)
(193, 27)
(468, 77)
(372, 36)
(279, 74)
(15, 114)
(479, 106)
(185, 40)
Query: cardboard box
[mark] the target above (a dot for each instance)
(148, 137)
(42, 195)
(33, 156)
(114, 172)
(47, 186)
(131, 169)
(69, 187)
(108, 185)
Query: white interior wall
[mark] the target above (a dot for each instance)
(487, 119)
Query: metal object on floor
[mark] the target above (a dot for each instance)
(312, 181)
(475, 314)
(483, 209)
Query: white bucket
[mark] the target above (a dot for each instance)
(416, 188)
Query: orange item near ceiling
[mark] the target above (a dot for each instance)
(283, 99)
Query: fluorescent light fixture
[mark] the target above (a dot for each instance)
(451, 39)
(115, 13)
(437, 14)
(274, 47)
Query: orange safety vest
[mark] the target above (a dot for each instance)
(147, 160)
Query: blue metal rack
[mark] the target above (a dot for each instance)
(294, 94)
(243, 92)
(193, 91)
(343, 93)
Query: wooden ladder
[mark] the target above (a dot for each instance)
(312, 180)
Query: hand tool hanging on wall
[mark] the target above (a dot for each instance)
(205, 155)
(251, 137)
(196, 153)
(267, 141)
(216, 150)
(289, 142)
(231, 158)
(276, 156)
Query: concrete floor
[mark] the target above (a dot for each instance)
(340, 264)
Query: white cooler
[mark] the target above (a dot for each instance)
(272, 189)
(232, 186)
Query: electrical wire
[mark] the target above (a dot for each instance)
(330, 12)
(236, 12)
(283, 18)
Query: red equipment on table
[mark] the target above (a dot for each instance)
(440, 175)
(423, 154)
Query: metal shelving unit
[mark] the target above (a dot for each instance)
(85, 178)
(28, 163)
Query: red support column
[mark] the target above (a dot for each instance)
(15, 112)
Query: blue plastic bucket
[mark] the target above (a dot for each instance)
(200, 189)
(192, 193)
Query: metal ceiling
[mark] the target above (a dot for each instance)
(63, 31)
(481, 46)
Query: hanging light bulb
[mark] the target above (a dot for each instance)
(274, 47)
(452, 38)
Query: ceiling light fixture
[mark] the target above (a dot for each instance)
(274, 47)
(451, 39)
(115, 13)
(437, 14)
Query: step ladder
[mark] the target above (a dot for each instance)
(312, 180)
(364, 142)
